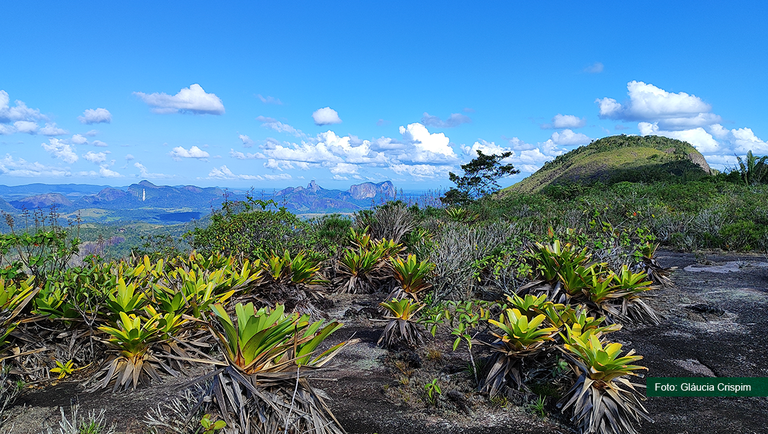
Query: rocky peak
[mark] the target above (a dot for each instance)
(368, 190)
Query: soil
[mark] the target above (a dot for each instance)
(715, 323)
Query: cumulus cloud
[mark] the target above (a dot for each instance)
(28, 127)
(19, 167)
(278, 126)
(245, 156)
(96, 157)
(454, 120)
(95, 116)
(269, 100)
(144, 173)
(487, 148)
(60, 150)
(422, 171)
(569, 138)
(6, 129)
(194, 152)
(106, 172)
(344, 168)
(717, 143)
(99, 144)
(78, 139)
(565, 121)
(50, 129)
(192, 99)
(594, 68)
(424, 146)
(649, 103)
(19, 112)
(247, 142)
(326, 116)
(91, 133)
(224, 172)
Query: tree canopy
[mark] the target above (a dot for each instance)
(480, 178)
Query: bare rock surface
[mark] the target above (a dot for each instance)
(715, 324)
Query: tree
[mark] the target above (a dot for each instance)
(480, 178)
(753, 169)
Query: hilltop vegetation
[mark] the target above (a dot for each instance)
(617, 159)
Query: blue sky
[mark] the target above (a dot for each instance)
(275, 94)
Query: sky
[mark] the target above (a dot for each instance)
(276, 94)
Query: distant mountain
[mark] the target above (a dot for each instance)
(42, 201)
(164, 204)
(148, 195)
(71, 191)
(314, 198)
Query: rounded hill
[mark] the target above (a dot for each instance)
(619, 158)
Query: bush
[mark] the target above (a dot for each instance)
(249, 228)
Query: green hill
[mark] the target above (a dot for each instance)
(619, 158)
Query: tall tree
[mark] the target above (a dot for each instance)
(480, 178)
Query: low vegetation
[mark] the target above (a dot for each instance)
(528, 286)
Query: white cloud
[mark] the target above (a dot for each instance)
(224, 172)
(60, 150)
(95, 116)
(269, 100)
(99, 143)
(144, 173)
(278, 126)
(569, 138)
(28, 127)
(245, 156)
(96, 157)
(487, 148)
(105, 172)
(425, 146)
(78, 139)
(454, 120)
(50, 129)
(278, 164)
(422, 171)
(247, 142)
(6, 129)
(652, 104)
(594, 68)
(19, 112)
(92, 133)
(193, 152)
(566, 121)
(192, 99)
(326, 116)
(21, 168)
(340, 178)
(344, 168)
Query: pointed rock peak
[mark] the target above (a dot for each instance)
(148, 184)
(313, 187)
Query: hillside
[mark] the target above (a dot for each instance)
(619, 158)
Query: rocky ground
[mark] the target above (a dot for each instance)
(715, 324)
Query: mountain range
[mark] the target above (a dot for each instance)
(148, 202)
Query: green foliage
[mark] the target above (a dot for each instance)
(270, 341)
(411, 274)
(42, 248)
(251, 228)
(211, 425)
(480, 178)
(433, 391)
(752, 169)
(401, 328)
